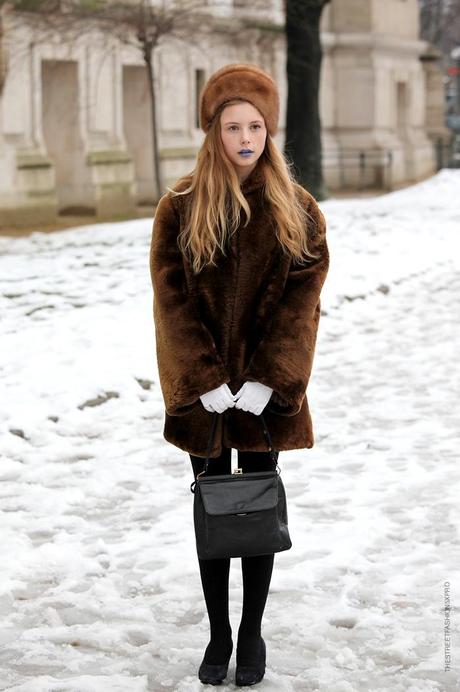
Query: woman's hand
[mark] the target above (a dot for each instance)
(253, 397)
(218, 400)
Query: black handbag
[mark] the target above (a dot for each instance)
(240, 514)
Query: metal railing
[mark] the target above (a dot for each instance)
(359, 168)
(372, 168)
(448, 153)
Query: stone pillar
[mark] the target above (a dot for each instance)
(27, 184)
(110, 166)
(434, 104)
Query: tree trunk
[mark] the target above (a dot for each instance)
(303, 126)
(157, 181)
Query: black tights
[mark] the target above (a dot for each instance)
(256, 573)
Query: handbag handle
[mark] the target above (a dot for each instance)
(211, 442)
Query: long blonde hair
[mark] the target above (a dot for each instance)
(215, 201)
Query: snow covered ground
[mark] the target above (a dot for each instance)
(99, 581)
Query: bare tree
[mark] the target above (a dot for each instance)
(303, 126)
(440, 24)
(138, 23)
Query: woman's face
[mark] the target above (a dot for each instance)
(242, 127)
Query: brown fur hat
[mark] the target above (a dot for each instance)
(245, 81)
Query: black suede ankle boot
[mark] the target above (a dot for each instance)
(215, 673)
(250, 669)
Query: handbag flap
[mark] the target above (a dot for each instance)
(233, 493)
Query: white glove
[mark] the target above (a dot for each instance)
(253, 397)
(218, 400)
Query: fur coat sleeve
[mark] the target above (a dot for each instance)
(189, 364)
(284, 357)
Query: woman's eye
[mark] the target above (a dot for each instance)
(235, 126)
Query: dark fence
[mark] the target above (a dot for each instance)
(372, 168)
(448, 153)
(360, 169)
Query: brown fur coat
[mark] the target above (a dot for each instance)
(253, 317)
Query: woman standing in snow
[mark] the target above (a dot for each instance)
(236, 311)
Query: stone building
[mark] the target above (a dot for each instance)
(75, 114)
